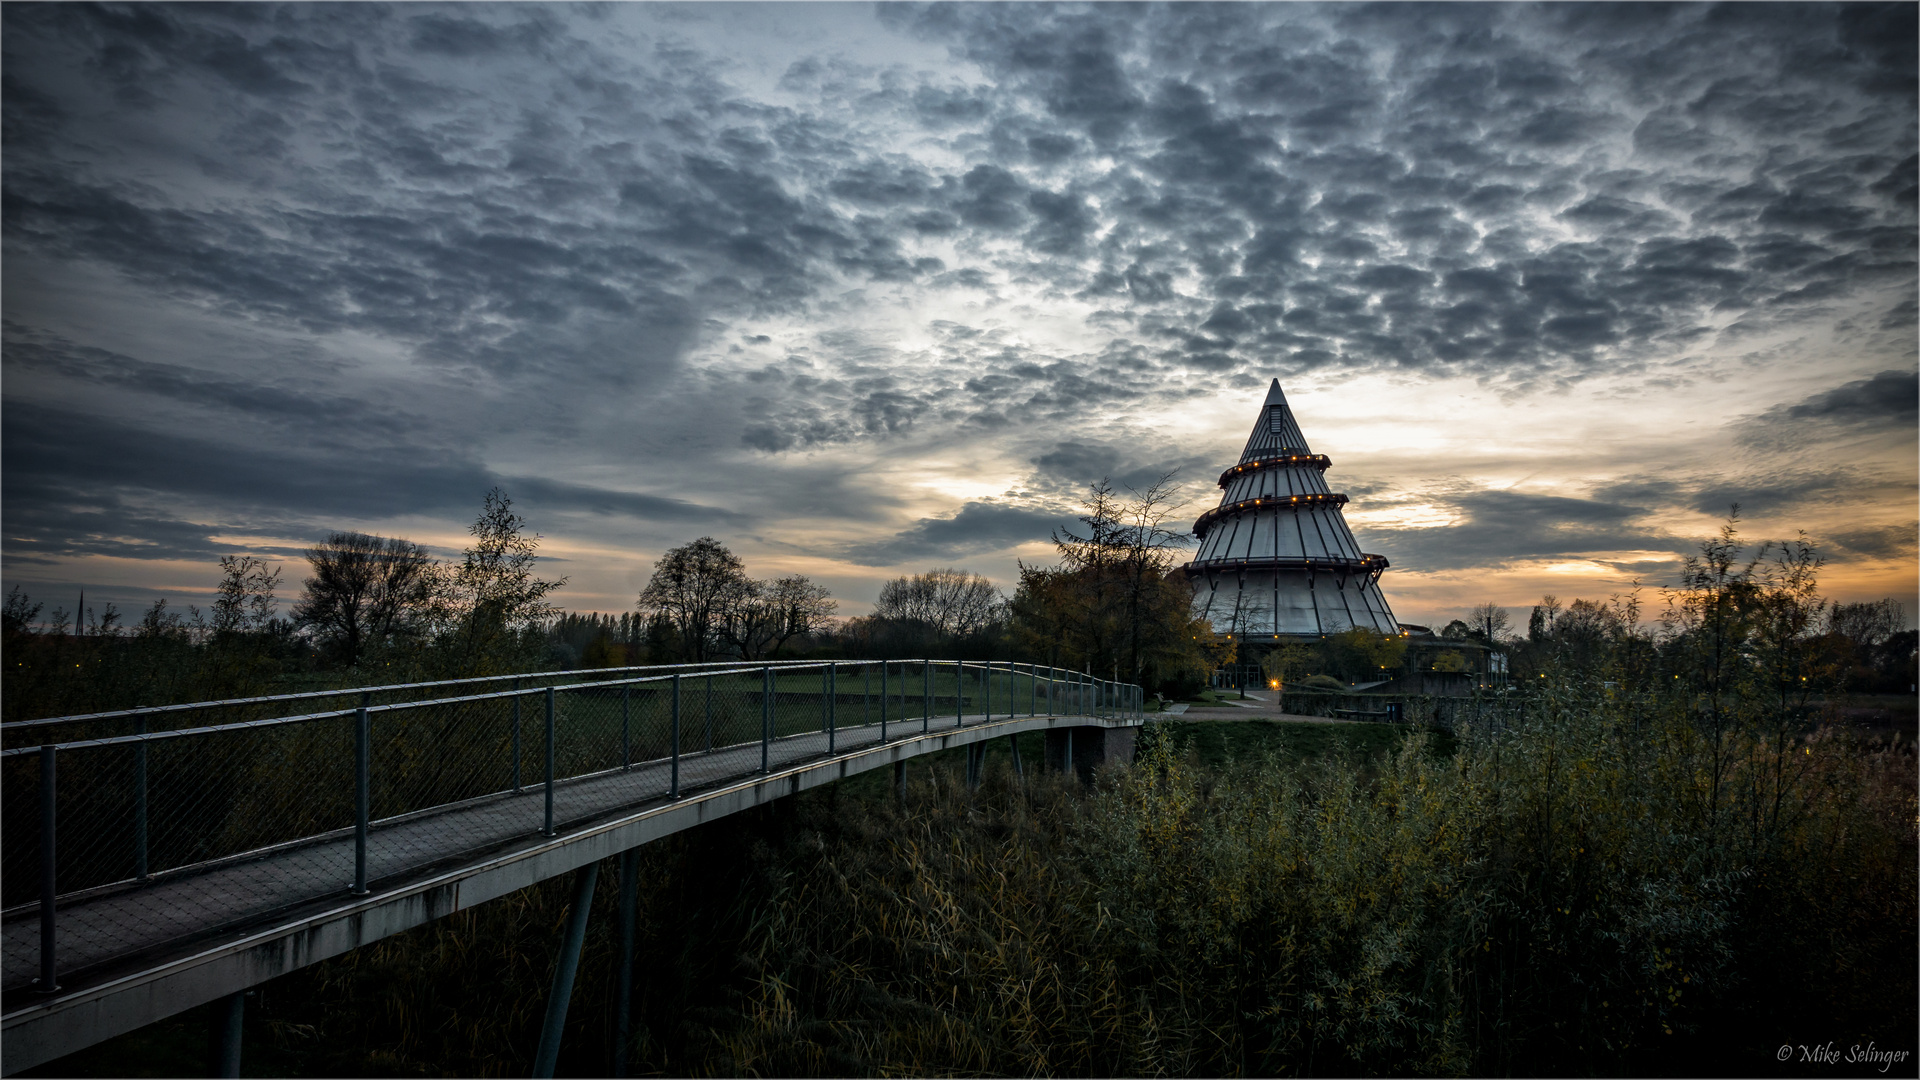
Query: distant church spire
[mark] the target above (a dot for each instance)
(1276, 558)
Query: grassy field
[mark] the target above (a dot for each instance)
(1887, 717)
(1221, 743)
(1214, 744)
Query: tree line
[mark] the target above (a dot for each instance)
(373, 609)
(1754, 612)
(1741, 614)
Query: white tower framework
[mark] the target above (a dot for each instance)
(1276, 558)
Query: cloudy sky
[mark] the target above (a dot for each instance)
(865, 290)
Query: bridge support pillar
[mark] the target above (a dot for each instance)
(223, 1042)
(976, 764)
(900, 783)
(1084, 749)
(623, 975)
(564, 969)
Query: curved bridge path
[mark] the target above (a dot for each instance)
(130, 953)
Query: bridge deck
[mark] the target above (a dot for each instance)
(120, 936)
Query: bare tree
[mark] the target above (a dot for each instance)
(1490, 622)
(758, 617)
(745, 616)
(1540, 623)
(246, 603)
(693, 587)
(799, 606)
(948, 601)
(364, 590)
(1867, 625)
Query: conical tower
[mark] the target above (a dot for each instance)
(1276, 558)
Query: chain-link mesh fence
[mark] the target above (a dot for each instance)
(104, 725)
(163, 836)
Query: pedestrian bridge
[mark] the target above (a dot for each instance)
(159, 859)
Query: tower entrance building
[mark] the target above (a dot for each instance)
(1276, 559)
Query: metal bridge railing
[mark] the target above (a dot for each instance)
(233, 710)
(381, 790)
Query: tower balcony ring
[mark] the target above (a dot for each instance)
(1292, 502)
(1284, 461)
(1366, 564)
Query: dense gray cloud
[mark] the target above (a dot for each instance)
(1891, 397)
(1887, 403)
(445, 247)
(1493, 528)
(978, 527)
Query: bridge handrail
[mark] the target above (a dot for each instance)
(241, 725)
(151, 710)
(214, 805)
(330, 714)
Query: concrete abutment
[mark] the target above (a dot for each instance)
(1088, 748)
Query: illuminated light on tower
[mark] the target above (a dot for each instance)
(1276, 557)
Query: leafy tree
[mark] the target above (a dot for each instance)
(1287, 663)
(19, 613)
(1043, 610)
(1118, 563)
(1359, 653)
(1787, 614)
(662, 642)
(597, 640)
(490, 601)
(365, 590)
(1545, 613)
(158, 623)
(1115, 604)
